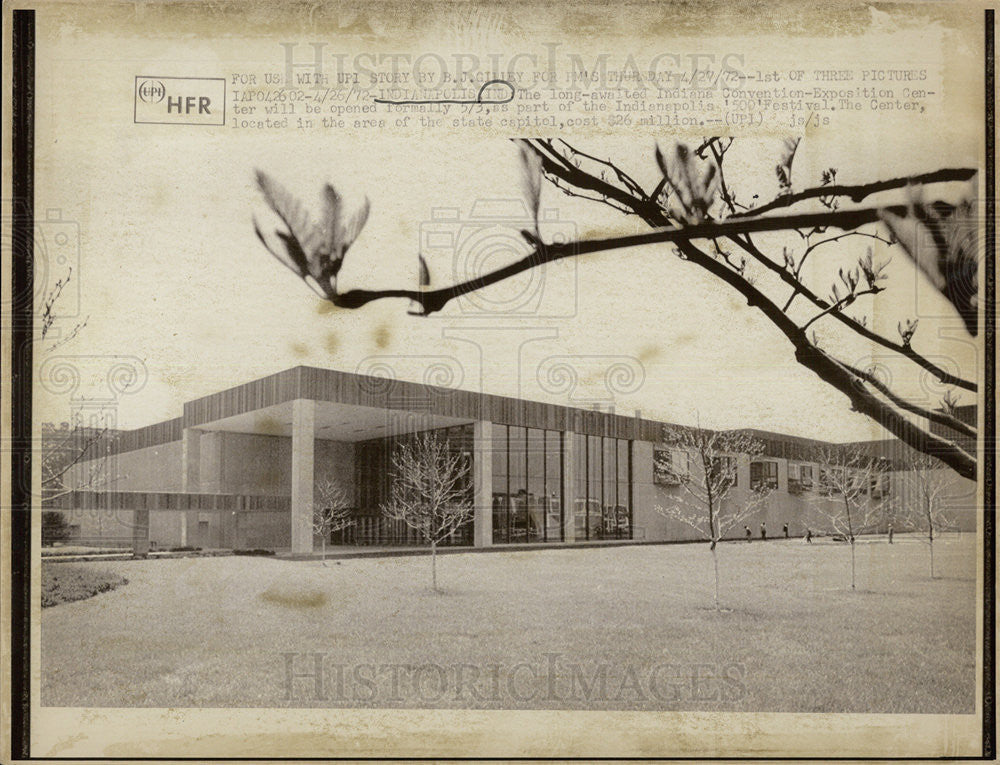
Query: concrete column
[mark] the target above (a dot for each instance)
(211, 475)
(482, 482)
(645, 519)
(743, 472)
(190, 479)
(303, 458)
(568, 488)
(228, 519)
(782, 475)
(140, 532)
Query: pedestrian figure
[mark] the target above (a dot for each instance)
(785, 529)
(763, 530)
(890, 533)
(809, 536)
(749, 534)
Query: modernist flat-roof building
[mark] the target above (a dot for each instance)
(239, 469)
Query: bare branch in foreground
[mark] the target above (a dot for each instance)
(695, 192)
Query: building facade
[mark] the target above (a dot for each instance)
(240, 469)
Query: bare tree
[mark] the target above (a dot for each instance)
(331, 510)
(429, 490)
(711, 225)
(74, 443)
(77, 457)
(74, 457)
(851, 495)
(49, 314)
(920, 503)
(709, 504)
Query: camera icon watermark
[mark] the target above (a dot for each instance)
(92, 381)
(441, 374)
(923, 387)
(54, 250)
(490, 238)
(593, 381)
(407, 406)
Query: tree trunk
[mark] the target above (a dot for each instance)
(850, 534)
(930, 535)
(852, 562)
(324, 549)
(715, 563)
(434, 571)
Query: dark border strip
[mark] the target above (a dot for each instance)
(23, 62)
(988, 473)
(22, 285)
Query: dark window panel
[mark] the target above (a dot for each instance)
(623, 510)
(518, 484)
(595, 468)
(764, 473)
(609, 525)
(536, 485)
(553, 486)
(578, 503)
(499, 449)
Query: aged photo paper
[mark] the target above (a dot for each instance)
(541, 379)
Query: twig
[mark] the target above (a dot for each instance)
(941, 418)
(434, 300)
(903, 350)
(843, 302)
(860, 192)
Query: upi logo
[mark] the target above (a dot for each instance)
(180, 100)
(151, 91)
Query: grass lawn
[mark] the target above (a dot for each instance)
(533, 630)
(48, 552)
(66, 582)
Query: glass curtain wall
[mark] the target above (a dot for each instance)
(602, 506)
(527, 485)
(528, 503)
(372, 476)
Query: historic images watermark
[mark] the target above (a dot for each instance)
(551, 680)
(318, 64)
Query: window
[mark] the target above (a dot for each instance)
(609, 516)
(763, 475)
(880, 485)
(553, 486)
(831, 480)
(858, 482)
(800, 478)
(601, 502)
(595, 473)
(372, 476)
(579, 504)
(501, 508)
(536, 485)
(670, 466)
(623, 510)
(527, 485)
(517, 491)
(725, 473)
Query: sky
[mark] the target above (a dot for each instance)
(171, 278)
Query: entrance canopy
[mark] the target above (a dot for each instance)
(335, 421)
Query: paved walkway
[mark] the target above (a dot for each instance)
(335, 552)
(126, 554)
(374, 551)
